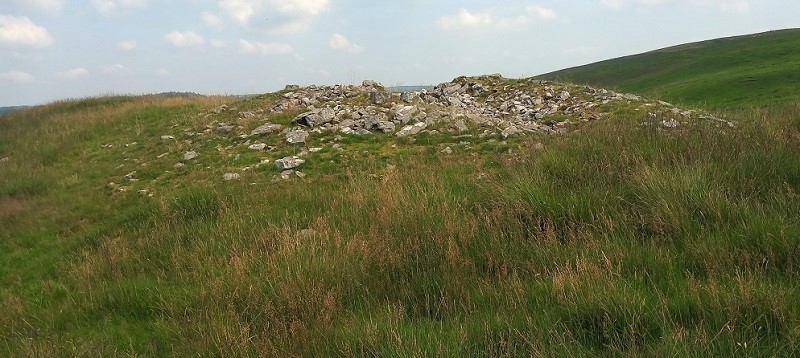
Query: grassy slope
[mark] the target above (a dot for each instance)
(615, 239)
(732, 72)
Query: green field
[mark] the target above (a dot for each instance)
(735, 72)
(619, 238)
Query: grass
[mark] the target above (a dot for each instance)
(737, 72)
(619, 239)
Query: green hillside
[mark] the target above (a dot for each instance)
(570, 222)
(730, 72)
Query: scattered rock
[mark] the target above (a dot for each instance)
(511, 130)
(672, 123)
(130, 176)
(220, 109)
(189, 155)
(447, 150)
(296, 137)
(291, 88)
(267, 128)
(167, 137)
(4, 159)
(412, 129)
(289, 162)
(231, 176)
(315, 118)
(179, 165)
(257, 146)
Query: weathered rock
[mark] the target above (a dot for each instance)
(509, 131)
(224, 128)
(4, 159)
(315, 118)
(286, 163)
(459, 126)
(220, 109)
(189, 155)
(266, 128)
(379, 97)
(257, 146)
(296, 137)
(384, 126)
(404, 114)
(231, 176)
(412, 129)
(672, 123)
(291, 88)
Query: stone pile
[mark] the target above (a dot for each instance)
(504, 106)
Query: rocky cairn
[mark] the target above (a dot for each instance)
(485, 108)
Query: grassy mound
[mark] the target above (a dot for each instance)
(623, 237)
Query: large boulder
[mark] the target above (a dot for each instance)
(267, 128)
(287, 163)
(296, 137)
(315, 118)
(412, 129)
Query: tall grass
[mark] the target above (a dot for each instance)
(619, 239)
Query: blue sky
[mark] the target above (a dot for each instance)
(56, 49)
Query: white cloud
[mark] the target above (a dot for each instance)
(613, 4)
(580, 50)
(115, 68)
(115, 7)
(217, 43)
(184, 39)
(127, 45)
(17, 76)
(162, 72)
(47, 6)
(21, 31)
(248, 47)
(465, 19)
(300, 7)
(477, 20)
(339, 42)
(541, 13)
(212, 21)
(283, 15)
(239, 10)
(737, 6)
(74, 73)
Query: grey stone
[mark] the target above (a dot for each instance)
(289, 162)
(258, 146)
(459, 126)
(231, 176)
(189, 155)
(379, 97)
(672, 123)
(266, 128)
(316, 118)
(403, 114)
(291, 88)
(384, 126)
(412, 129)
(509, 131)
(296, 137)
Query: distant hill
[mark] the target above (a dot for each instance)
(8, 110)
(739, 71)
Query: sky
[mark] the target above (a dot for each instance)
(61, 49)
